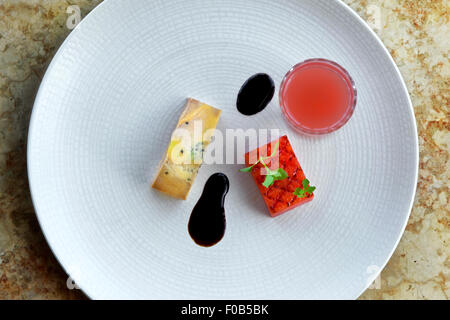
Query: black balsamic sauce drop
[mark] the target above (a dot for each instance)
(255, 94)
(207, 222)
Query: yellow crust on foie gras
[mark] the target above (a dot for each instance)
(176, 176)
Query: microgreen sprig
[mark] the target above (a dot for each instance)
(303, 192)
(261, 159)
(271, 175)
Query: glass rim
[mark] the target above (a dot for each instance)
(346, 116)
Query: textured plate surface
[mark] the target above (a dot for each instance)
(112, 96)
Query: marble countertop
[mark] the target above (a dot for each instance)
(416, 32)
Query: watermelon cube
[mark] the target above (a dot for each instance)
(279, 197)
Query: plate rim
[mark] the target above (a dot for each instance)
(91, 15)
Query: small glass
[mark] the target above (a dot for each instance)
(317, 96)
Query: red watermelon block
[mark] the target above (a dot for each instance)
(279, 197)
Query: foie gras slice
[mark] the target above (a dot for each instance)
(184, 155)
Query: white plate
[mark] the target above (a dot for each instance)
(112, 96)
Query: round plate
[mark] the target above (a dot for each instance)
(103, 118)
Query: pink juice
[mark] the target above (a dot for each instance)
(317, 96)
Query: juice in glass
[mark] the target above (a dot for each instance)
(317, 96)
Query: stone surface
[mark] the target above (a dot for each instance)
(415, 32)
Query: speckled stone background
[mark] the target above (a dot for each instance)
(416, 33)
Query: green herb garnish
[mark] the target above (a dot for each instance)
(305, 191)
(248, 169)
(261, 159)
(271, 175)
